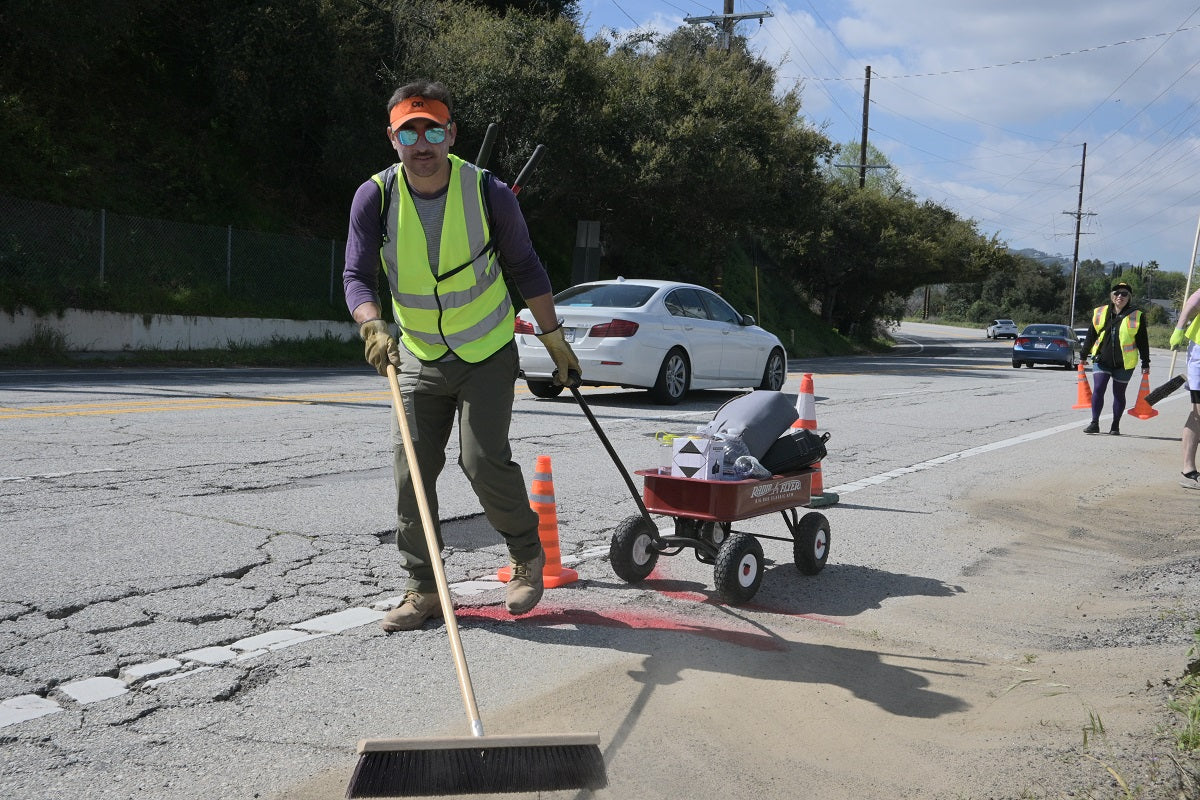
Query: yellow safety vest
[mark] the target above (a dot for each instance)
(465, 307)
(1193, 330)
(1127, 331)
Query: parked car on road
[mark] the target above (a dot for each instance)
(1081, 335)
(664, 336)
(1002, 329)
(1046, 344)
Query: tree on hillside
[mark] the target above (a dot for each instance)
(1017, 287)
(880, 176)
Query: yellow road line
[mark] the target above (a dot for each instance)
(178, 404)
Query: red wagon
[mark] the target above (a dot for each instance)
(704, 512)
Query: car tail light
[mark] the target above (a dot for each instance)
(617, 327)
(521, 326)
(1060, 343)
(1022, 340)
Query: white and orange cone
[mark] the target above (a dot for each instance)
(806, 405)
(541, 500)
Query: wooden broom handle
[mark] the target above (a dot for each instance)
(435, 558)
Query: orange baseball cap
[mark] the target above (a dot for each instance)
(419, 107)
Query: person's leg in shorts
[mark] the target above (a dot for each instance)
(1191, 427)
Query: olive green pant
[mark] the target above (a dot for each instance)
(481, 397)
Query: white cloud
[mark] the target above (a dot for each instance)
(984, 105)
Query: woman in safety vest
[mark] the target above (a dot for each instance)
(1115, 340)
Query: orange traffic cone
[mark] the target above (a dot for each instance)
(818, 497)
(1083, 394)
(806, 405)
(541, 500)
(1142, 409)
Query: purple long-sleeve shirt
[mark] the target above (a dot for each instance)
(518, 259)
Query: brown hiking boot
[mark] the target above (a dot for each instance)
(412, 613)
(525, 586)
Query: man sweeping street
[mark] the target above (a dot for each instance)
(448, 234)
(1188, 327)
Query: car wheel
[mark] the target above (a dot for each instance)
(673, 378)
(775, 372)
(1016, 365)
(545, 389)
(989, 334)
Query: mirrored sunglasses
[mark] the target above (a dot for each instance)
(1121, 294)
(408, 137)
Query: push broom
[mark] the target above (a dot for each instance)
(1177, 381)
(468, 764)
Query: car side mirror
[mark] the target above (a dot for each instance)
(748, 320)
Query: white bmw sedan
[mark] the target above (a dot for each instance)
(664, 336)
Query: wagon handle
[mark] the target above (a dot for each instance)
(637, 497)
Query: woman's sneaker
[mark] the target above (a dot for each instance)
(1191, 480)
(1093, 427)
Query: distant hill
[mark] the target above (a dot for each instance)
(1064, 262)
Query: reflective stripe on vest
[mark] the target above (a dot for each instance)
(466, 307)
(1126, 333)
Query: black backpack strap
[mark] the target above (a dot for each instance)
(389, 183)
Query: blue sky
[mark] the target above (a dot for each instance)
(984, 105)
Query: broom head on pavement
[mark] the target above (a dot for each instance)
(1164, 390)
(476, 765)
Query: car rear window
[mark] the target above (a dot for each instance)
(622, 295)
(1046, 331)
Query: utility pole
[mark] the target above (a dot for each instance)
(726, 22)
(862, 164)
(1079, 215)
(862, 150)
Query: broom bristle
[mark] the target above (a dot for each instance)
(476, 770)
(1164, 390)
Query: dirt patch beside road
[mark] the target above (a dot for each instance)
(1042, 674)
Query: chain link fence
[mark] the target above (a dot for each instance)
(54, 257)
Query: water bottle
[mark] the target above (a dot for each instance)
(749, 467)
(666, 449)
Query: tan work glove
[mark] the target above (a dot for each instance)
(380, 347)
(567, 371)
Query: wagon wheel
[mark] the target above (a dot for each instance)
(811, 545)
(739, 569)
(632, 551)
(714, 533)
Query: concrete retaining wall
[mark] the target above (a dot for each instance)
(102, 331)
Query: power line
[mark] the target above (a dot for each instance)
(1020, 61)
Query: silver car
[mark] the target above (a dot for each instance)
(664, 336)
(1002, 329)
